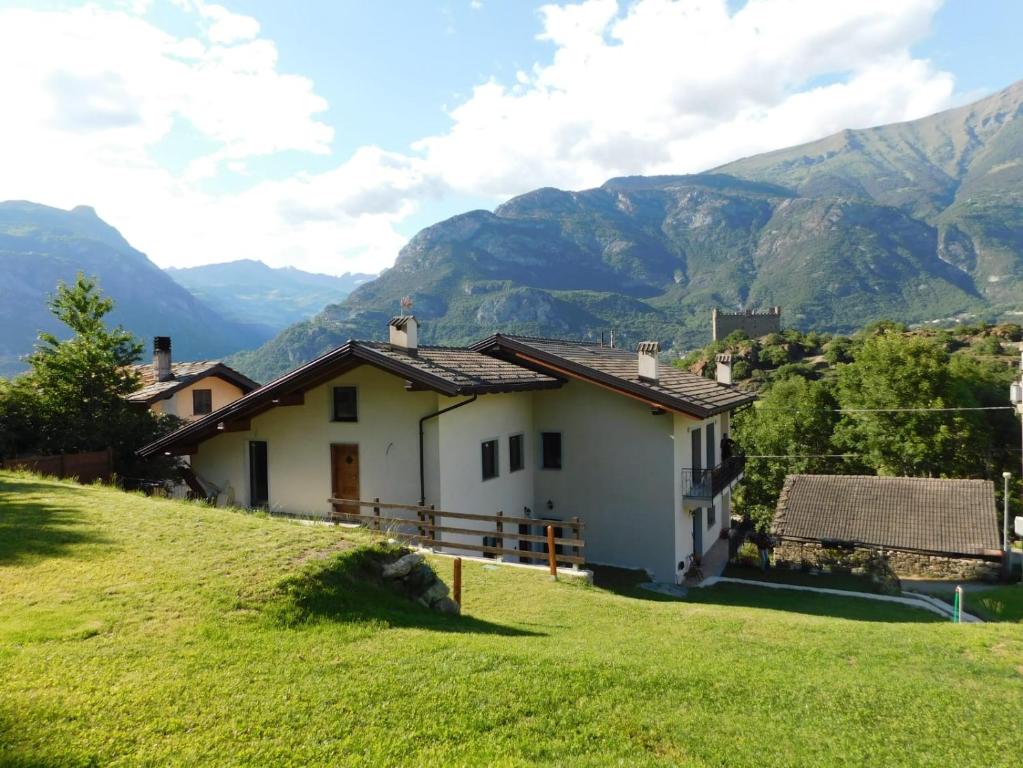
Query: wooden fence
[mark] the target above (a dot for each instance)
(429, 533)
(87, 467)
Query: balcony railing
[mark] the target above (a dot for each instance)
(708, 483)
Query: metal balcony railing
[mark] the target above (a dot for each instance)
(708, 483)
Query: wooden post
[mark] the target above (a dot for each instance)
(575, 535)
(550, 552)
(456, 585)
(421, 517)
(500, 531)
(433, 530)
(376, 514)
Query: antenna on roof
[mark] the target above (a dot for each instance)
(601, 338)
(406, 305)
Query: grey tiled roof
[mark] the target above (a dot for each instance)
(947, 516)
(463, 368)
(618, 367)
(151, 390)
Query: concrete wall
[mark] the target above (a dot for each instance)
(180, 403)
(617, 467)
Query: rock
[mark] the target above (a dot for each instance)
(437, 591)
(419, 578)
(448, 606)
(401, 567)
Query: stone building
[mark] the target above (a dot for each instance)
(922, 527)
(753, 323)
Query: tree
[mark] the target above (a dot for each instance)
(795, 418)
(893, 371)
(74, 397)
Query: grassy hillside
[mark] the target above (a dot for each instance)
(137, 631)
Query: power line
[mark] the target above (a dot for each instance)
(757, 409)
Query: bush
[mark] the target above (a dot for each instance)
(748, 554)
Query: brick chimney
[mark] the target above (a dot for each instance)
(647, 354)
(723, 372)
(404, 333)
(162, 358)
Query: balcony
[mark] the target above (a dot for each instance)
(705, 484)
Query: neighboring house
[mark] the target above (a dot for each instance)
(512, 424)
(187, 390)
(925, 527)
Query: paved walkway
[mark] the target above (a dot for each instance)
(714, 563)
(919, 601)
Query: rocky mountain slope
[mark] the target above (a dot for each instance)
(916, 221)
(40, 245)
(248, 291)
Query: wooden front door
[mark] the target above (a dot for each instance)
(344, 476)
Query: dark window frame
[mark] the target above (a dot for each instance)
(354, 417)
(196, 410)
(516, 452)
(712, 516)
(548, 461)
(493, 460)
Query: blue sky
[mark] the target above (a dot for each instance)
(325, 134)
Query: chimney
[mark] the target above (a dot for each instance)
(723, 374)
(404, 333)
(648, 360)
(162, 358)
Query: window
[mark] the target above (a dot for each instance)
(712, 516)
(550, 449)
(489, 459)
(202, 401)
(711, 446)
(515, 458)
(346, 406)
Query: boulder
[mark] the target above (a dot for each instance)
(448, 606)
(401, 567)
(419, 578)
(436, 592)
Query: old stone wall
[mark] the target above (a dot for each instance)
(902, 564)
(753, 323)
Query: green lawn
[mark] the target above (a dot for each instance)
(1003, 603)
(138, 631)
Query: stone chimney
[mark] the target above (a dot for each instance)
(648, 360)
(162, 358)
(404, 333)
(723, 373)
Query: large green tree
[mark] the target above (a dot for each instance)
(74, 397)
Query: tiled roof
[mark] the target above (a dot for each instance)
(465, 369)
(150, 390)
(908, 513)
(619, 368)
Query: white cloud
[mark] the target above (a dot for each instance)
(651, 87)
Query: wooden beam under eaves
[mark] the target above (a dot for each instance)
(294, 398)
(239, 425)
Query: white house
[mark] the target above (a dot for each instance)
(530, 427)
(188, 390)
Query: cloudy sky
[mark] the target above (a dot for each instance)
(323, 135)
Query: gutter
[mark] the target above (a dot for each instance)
(422, 470)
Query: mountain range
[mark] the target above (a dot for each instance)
(248, 291)
(40, 246)
(917, 221)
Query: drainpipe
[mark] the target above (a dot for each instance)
(422, 471)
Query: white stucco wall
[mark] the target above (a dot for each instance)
(616, 475)
(180, 403)
(462, 433)
(683, 535)
(299, 439)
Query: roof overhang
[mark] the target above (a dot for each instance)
(524, 354)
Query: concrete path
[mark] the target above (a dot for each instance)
(918, 601)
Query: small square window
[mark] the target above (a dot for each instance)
(202, 401)
(489, 459)
(712, 516)
(550, 445)
(516, 460)
(346, 407)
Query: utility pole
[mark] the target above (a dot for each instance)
(1006, 545)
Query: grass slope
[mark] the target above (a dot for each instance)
(137, 631)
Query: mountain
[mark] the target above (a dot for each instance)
(249, 291)
(40, 245)
(916, 221)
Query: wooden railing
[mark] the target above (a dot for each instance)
(428, 532)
